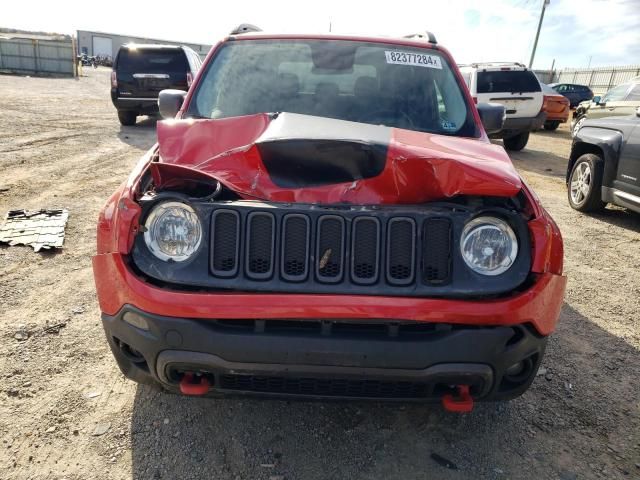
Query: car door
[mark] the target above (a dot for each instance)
(628, 175)
(612, 104)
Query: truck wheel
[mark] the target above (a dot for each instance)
(585, 184)
(127, 117)
(516, 143)
(577, 125)
(551, 125)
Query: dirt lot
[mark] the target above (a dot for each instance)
(67, 412)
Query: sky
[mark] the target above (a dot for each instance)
(574, 32)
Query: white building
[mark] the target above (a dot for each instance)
(107, 44)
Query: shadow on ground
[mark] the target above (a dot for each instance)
(559, 429)
(142, 134)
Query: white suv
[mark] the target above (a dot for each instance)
(514, 86)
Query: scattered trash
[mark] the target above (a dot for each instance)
(541, 371)
(51, 429)
(444, 462)
(39, 228)
(166, 421)
(101, 429)
(55, 328)
(93, 394)
(21, 334)
(78, 310)
(268, 465)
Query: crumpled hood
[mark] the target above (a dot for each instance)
(299, 158)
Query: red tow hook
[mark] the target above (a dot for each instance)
(194, 385)
(462, 404)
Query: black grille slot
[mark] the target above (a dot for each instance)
(260, 245)
(225, 242)
(365, 250)
(329, 254)
(401, 247)
(436, 245)
(330, 387)
(295, 247)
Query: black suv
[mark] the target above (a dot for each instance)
(141, 71)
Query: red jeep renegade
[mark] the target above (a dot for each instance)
(324, 216)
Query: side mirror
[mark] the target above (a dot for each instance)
(596, 99)
(492, 116)
(170, 101)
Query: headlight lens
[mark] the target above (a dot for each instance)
(488, 245)
(173, 231)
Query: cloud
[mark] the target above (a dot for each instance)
(473, 30)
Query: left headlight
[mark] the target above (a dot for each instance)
(173, 231)
(488, 245)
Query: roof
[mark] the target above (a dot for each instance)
(414, 41)
(150, 46)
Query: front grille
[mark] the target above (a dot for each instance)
(437, 250)
(401, 250)
(326, 387)
(260, 245)
(365, 248)
(295, 247)
(329, 249)
(225, 228)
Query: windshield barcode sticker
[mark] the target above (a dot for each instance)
(414, 59)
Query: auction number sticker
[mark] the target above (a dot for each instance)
(414, 59)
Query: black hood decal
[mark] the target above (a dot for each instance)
(303, 151)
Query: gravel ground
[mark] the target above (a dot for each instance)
(67, 412)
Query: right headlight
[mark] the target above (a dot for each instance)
(488, 245)
(173, 231)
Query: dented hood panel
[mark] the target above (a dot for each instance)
(299, 158)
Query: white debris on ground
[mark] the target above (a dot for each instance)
(39, 228)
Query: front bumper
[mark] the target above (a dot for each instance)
(321, 359)
(348, 346)
(516, 125)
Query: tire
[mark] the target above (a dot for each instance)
(551, 125)
(585, 184)
(577, 125)
(516, 143)
(127, 118)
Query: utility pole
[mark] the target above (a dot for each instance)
(535, 42)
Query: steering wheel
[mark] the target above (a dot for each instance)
(385, 114)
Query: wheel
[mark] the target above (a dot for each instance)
(585, 183)
(551, 125)
(577, 125)
(516, 143)
(127, 117)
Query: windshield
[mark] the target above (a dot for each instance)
(397, 86)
